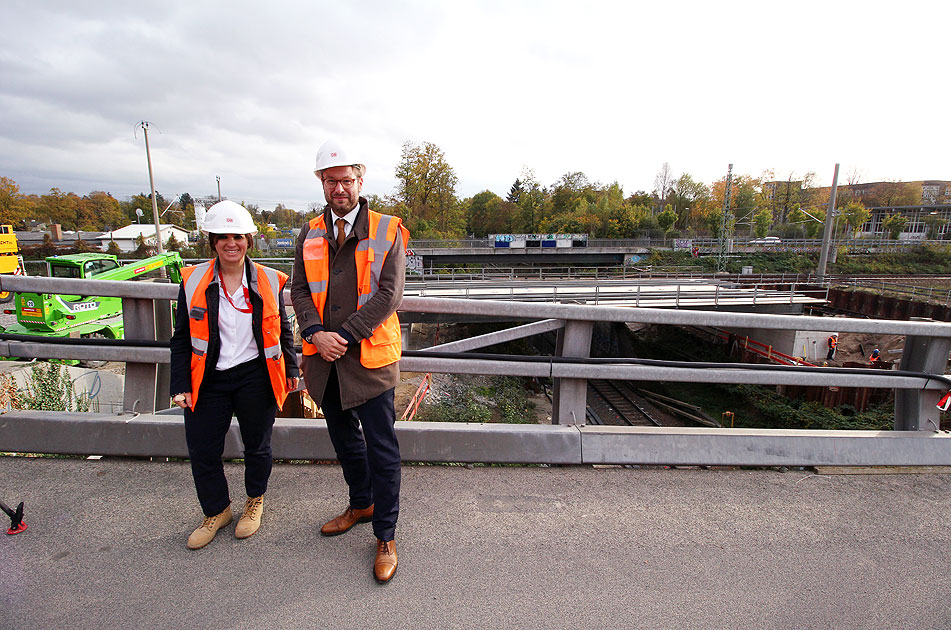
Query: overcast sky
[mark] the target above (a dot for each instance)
(247, 91)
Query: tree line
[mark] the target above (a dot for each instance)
(425, 197)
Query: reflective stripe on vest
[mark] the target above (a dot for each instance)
(268, 283)
(384, 346)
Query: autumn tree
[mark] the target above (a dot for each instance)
(285, 217)
(531, 202)
(487, 213)
(855, 215)
(426, 187)
(102, 211)
(11, 202)
(684, 197)
(812, 222)
(667, 218)
(894, 224)
(762, 221)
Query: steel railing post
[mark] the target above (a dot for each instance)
(916, 409)
(146, 384)
(570, 395)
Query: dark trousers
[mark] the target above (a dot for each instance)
(370, 458)
(831, 354)
(244, 391)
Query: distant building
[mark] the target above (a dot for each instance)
(921, 219)
(925, 203)
(888, 194)
(126, 237)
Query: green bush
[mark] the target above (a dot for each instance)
(50, 389)
(495, 399)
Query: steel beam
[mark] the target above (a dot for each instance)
(501, 336)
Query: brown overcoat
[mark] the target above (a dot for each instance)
(357, 383)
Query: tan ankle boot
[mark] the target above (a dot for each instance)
(209, 527)
(250, 521)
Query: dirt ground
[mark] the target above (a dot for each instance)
(856, 347)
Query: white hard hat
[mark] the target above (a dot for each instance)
(331, 154)
(228, 217)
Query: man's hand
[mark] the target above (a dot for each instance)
(330, 345)
(183, 400)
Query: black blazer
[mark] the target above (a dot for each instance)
(181, 346)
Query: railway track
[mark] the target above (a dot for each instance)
(618, 403)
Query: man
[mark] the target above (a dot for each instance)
(832, 343)
(349, 271)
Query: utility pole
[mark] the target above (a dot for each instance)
(219, 187)
(725, 222)
(828, 229)
(158, 229)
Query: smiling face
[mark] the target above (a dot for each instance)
(230, 248)
(341, 189)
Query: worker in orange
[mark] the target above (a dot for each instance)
(874, 357)
(232, 354)
(832, 342)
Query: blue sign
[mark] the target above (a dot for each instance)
(282, 243)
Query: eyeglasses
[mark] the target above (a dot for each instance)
(346, 183)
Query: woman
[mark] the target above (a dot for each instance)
(232, 354)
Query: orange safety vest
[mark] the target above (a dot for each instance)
(385, 345)
(832, 342)
(270, 284)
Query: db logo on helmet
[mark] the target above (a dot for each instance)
(229, 220)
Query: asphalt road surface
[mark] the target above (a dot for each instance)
(483, 547)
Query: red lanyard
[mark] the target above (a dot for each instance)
(247, 299)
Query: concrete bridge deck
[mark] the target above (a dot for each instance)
(482, 547)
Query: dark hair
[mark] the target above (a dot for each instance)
(213, 238)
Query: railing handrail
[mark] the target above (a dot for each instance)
(527, 310)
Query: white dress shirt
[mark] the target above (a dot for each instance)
(234, 328)
(350, 217)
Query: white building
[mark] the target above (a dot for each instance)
(125, 237)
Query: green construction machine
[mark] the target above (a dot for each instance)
(52, 315)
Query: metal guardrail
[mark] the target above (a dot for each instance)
(666, 293)
(704, 243)
(918, 384)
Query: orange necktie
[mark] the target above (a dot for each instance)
(341, 232)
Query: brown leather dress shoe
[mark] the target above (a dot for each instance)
(384, 568)
(345, 521)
